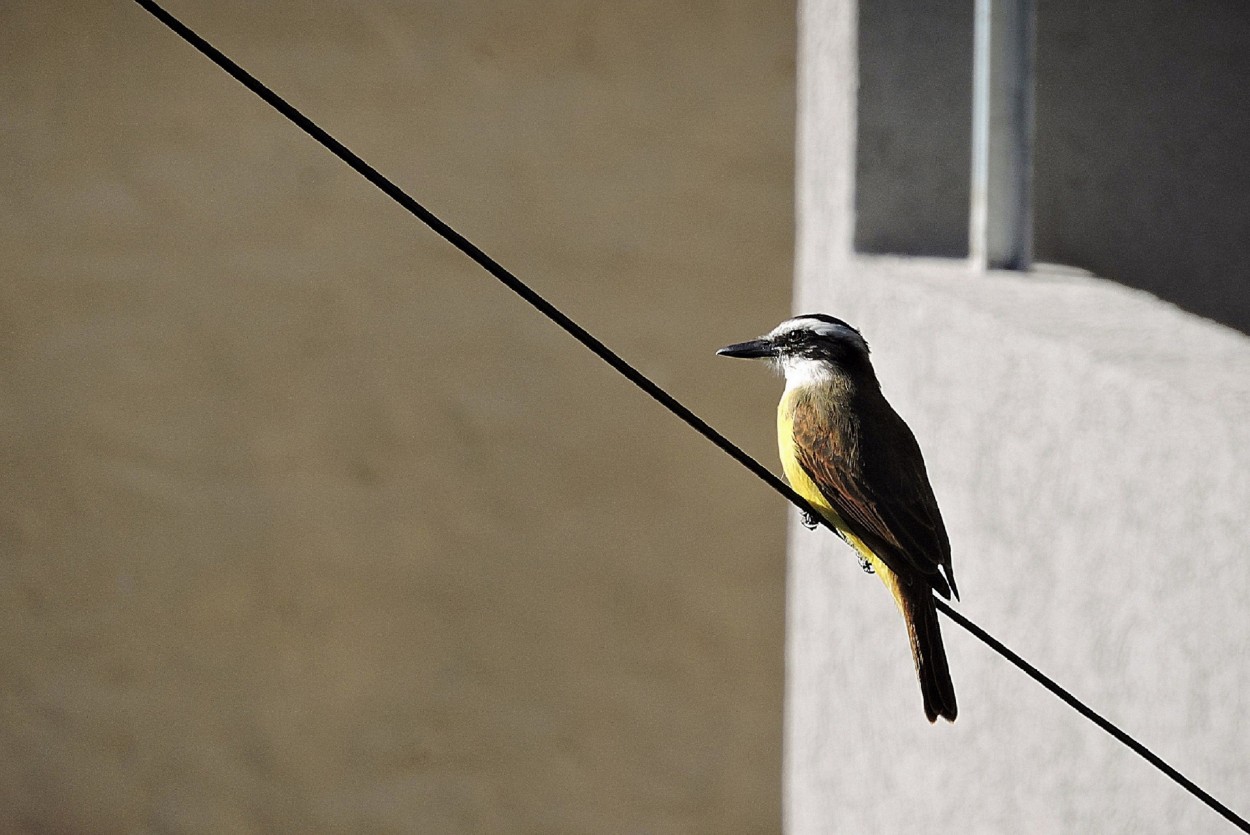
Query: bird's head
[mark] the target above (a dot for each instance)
(808, 348)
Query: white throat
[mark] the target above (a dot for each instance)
(803, 371)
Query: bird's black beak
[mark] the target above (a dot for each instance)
(755, 349)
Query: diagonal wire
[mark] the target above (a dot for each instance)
(643, 382)
(1092, 715)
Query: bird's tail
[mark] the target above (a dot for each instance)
(929, 654)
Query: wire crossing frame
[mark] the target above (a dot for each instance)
(639, 379)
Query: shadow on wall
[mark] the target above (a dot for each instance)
(1141, 168)
(1140, 171)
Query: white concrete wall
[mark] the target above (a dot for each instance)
(1090, 448)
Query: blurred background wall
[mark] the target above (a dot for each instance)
(1089, 443)
(306, 524)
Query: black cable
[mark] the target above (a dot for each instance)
(641, 380)
(1089, 713)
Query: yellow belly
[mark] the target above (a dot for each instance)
(805, 487)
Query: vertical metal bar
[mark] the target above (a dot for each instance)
(1001, 214)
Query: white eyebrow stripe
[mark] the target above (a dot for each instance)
(820, 328)
(800, 324)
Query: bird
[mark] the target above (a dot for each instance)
(848, 453)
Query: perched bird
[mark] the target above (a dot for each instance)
(846, 451)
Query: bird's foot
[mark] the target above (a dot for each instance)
(864, 564)
(809, 521)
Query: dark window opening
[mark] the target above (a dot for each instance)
(915, 127)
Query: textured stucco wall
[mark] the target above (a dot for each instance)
(1090, 448)
(306, 525)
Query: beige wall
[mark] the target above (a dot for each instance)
(307, 524)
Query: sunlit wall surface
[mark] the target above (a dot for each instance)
(1089, 445)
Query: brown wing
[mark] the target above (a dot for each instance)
(869, 468)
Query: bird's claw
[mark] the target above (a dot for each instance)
(809, 521)
(864, 564)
